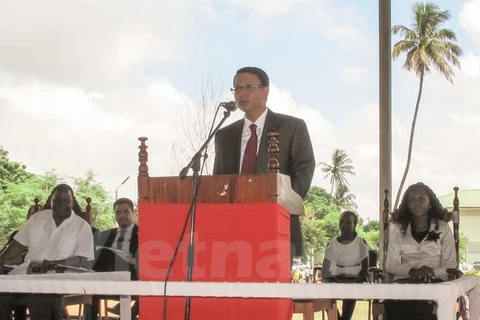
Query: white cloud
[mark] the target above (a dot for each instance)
(71, 130)
(266, 8)
(444, 153)
(72, 94)
(320, 129)
(356, 74)
(469, 18)
(341, 24)
(93, 43)
(471, 65)
(358, 137)
(336, 22)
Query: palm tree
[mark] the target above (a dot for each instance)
(425, 45)
(344, 199)
(340, 167)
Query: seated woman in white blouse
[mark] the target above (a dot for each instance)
(420, 247)
(346, 259)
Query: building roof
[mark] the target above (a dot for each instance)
(468, 199)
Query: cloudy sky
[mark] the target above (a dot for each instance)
(81, 80)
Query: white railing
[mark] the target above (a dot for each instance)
(115, 283)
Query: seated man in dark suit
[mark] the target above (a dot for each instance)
(123, 244)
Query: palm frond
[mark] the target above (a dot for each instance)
(341, 166)
(442, 66)
(445, 34)
(402, 46)
(425, 43)
(402, 30)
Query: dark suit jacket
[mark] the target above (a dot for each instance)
(106, 260)
(296, 156)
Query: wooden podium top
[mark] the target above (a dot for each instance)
(269, 187)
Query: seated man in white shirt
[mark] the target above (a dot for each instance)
(56, 236)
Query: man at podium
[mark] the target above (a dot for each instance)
(242, 147)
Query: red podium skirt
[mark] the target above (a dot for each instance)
(233, 243)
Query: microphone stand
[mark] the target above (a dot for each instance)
(195, 165)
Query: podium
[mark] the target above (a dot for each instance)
(242, 234)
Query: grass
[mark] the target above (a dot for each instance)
(360, 313)
(73, 310)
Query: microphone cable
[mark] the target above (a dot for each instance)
(184, 228)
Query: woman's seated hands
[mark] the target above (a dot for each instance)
(454, 273)
(424, 273)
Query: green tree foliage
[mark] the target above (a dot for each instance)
(319, 202)
(313, 238)
(11, 171)
(344, 199)
(371, 225)
(371, 233)
(317, 224)
(15, 199)
(18, 189)
(426, 45)
(320, 223)
(102, 210)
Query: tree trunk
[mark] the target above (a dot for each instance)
(410, 143)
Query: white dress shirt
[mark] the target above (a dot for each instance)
(246, 133)
(73, 237)
(346, 258)
(404, 252)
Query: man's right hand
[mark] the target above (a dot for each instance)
(129, 259)
(39, 266)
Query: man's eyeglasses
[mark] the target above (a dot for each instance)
(247, 88)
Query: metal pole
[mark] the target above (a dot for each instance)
(121, 184)
(385, 109)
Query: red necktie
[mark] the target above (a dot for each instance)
(250, 155)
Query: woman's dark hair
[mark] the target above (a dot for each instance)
(262, 75)
(64, 187)
(404, 215)
(355, 219)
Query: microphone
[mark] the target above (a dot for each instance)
(230, 106)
